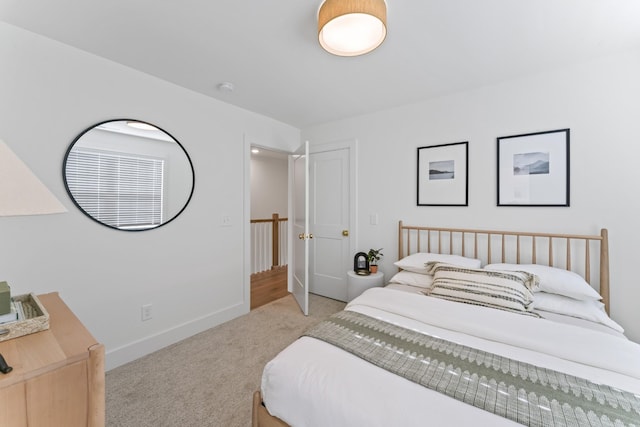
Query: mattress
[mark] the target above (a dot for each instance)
(312, 383)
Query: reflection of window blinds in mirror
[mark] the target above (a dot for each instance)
(120, 190)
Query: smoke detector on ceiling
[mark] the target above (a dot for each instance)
(226, 87)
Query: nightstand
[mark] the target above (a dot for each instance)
(357, 284)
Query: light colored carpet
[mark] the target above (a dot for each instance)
(208, 379)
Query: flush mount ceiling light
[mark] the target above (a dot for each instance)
(352, 27)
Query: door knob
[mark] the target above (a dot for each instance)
(301, 236)
(345, 233)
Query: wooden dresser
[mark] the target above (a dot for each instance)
(58, 374)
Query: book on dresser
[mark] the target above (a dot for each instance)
(11, 316)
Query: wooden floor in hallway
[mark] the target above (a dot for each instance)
(268, 286)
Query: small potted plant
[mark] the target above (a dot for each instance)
(374, 256)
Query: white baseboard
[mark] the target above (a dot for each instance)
(136, 349)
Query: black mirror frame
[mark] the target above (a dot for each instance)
(64, 175)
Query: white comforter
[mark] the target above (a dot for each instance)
(312, 383)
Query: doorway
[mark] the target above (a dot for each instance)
(268, 226)
(331, 253)
(331, 233)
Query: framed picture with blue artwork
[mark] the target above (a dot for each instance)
(443, 175)
(533, 169)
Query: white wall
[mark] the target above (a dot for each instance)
(193, 270)
(598, 101)
(269, 186)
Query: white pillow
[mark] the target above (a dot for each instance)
(554, 280)
(416, 262)
(412, 279)
(587, 309)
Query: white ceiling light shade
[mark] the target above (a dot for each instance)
(352, 27)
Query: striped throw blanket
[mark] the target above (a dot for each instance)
(527, 394)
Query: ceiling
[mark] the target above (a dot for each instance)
(269, 50)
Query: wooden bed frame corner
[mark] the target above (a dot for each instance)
(261, 417)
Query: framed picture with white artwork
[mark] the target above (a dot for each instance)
(533, 169)
(443, 175)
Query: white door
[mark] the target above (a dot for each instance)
(299, 232)
(330, 215)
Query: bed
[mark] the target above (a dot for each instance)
(427, 349)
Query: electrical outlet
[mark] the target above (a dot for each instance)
(226, 221)
(147, 312)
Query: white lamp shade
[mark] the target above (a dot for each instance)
(351, 28)
(21, 192)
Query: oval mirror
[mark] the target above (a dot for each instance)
(128, 175)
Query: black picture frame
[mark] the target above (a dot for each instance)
(533, 169)
(443, 175)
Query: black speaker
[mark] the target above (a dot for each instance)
(4, 368)
(361, 264)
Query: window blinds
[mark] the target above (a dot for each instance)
(120, 190)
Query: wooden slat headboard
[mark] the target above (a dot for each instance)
(568, 251)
